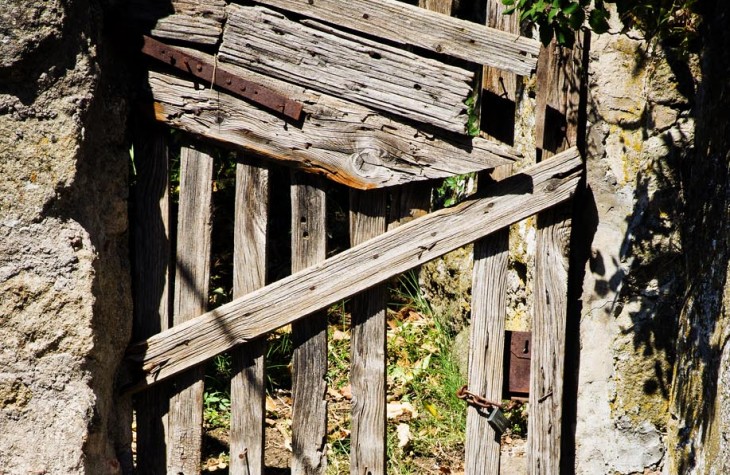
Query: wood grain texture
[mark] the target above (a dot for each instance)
(491, 259)
(557, 113)
(184, 20)
(309, 335)
(192, 274)
(486, 348)
(368, 346)
(531, 191)
(347, 66)
(499, 88)
(248, 391)
(150, 271)
(345, 142)
(439, 6)
(410, 25)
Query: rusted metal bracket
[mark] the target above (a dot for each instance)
(518, 352)
(218, 76)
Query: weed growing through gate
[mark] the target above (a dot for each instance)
(422, 375)
(216, 409)
(426, 421)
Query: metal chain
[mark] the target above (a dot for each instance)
(479, 401)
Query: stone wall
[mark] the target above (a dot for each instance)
(629, 259)
(64, 290)
(651, 364)
(640, 133)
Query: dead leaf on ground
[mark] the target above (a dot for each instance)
(404, 435)
(346, 392)
(395, 410)
(339, 335)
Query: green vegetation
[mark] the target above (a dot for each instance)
(453, 190)
(674, 22)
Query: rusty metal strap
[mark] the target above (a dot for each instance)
(218, 76)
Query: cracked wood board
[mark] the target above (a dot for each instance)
(347, 66)
(345, 142)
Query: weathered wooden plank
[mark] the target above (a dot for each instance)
(558, 86)
(486, 346)
(309, 335)
(150, 236)
(489, 280)
(192, 273)
(248, 392)
(347, 66)
(531, 191)
(413, 200)
(186, 20)
(440, 6)
(345, 142)
(410, 25)
(486, 341)
(368, 345)
(499, 87)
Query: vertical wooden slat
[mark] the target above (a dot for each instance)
(488, 309)
(368, 367)
(150, 280)
(499, 87)
(249, 273)
(489, 281)
(192, 274)
(441, 6)
(309, 335)
(408, 202)
(558, 97)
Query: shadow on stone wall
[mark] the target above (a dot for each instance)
(674, 258)
(702, 329)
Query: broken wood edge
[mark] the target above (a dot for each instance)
(485, 153)
(535, 189)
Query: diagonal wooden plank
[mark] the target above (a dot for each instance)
(410, 25)
(248, 393)
(534, 190)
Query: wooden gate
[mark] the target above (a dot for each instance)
(383, 112)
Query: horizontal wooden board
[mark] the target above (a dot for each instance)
(184, 20)
(346, 142)
(347, 66)
(361, 267)
(411, 25)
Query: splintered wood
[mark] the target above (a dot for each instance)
(185, 20)
(354, 68)
(343, 141)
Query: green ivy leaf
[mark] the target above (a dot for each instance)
(577, 18)
(598, 20)
(571, 9)
(546, 33)
(565, 36)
